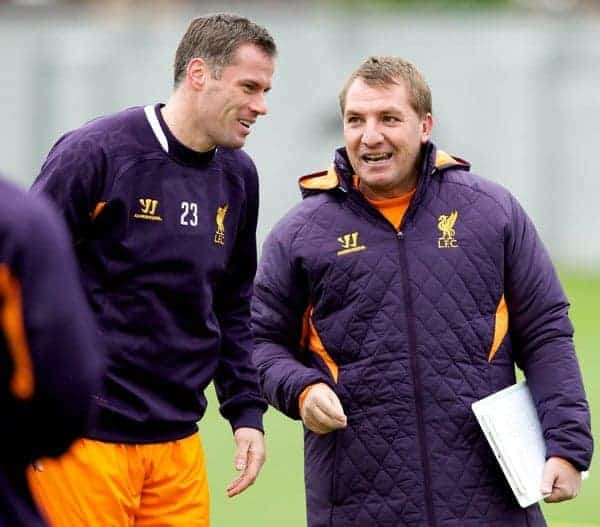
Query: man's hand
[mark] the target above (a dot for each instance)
(321, 410)
(561, 480)
(249, 458)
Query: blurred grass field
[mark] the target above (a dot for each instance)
(277, 498)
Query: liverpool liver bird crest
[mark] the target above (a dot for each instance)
(446, 226)
(220, 219)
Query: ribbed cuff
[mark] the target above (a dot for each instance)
(250, 417)
(579, 462)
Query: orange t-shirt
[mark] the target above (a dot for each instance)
(393, 209)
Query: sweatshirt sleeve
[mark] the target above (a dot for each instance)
(278, 306)
(51, 351)
(236, 380)
(72, 176)
(543, 339)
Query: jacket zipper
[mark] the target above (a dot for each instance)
(416, 374)
(412, 343)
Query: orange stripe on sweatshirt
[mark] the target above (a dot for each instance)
(11, 319)
(97, 209)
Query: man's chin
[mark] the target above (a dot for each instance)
(376, 179)
(233, 143)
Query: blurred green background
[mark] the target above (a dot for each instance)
(277, 498)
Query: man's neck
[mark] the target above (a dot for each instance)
(179, 117)
(378, 194)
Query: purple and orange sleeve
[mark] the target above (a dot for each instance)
(49, 334)
(279, 306)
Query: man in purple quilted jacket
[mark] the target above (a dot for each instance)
(399, 291)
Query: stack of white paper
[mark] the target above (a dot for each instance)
(510, 423)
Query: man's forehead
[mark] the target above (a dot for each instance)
(362, 85)
(255, 67)
(249, 52)
(378, 97)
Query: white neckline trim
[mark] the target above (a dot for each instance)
(156, 128)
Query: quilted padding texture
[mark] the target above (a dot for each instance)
(410, 323)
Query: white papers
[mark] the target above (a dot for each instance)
(510, 423)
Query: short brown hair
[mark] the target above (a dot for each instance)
(383, 71)
(216, 38)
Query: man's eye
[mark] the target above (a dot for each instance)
(390, 119)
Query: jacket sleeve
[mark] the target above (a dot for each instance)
(49, 338)
(236, 380)
(279, 302)
(72, 176)
(543, 339)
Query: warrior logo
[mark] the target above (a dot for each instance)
(446, 226)
(220, 219)
(148, 207)
(349, 244)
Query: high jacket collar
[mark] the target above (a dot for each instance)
(339, 176)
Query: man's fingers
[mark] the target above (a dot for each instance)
(313, 420)
(332, 408)
(548, 479)
(239, 485)
(249, 458)
(321, 410)
(244, 481)
(560, 494)
(248, 477)
(320, 422)
(551, 493)
(337, 405)
(241, 455)
(560, 480)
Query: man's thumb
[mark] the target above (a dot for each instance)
(337, 406)
(548, 478)
(241, 455)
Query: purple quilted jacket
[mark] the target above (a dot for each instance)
(417, 324)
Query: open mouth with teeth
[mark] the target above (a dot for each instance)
(376, 158)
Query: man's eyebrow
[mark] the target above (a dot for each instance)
(255, 84)
(389, 109)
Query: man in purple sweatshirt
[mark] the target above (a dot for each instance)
(49, 359)
(162, 207)
(399, 291)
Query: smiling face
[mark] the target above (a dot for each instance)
(383, 135)
(232, 99)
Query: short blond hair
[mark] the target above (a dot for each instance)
(386, 70)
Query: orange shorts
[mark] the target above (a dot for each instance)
(97, 484)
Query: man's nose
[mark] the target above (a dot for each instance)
(259, 104)
(371, 136)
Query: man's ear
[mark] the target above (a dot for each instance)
(427, 127)
(197, 72)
